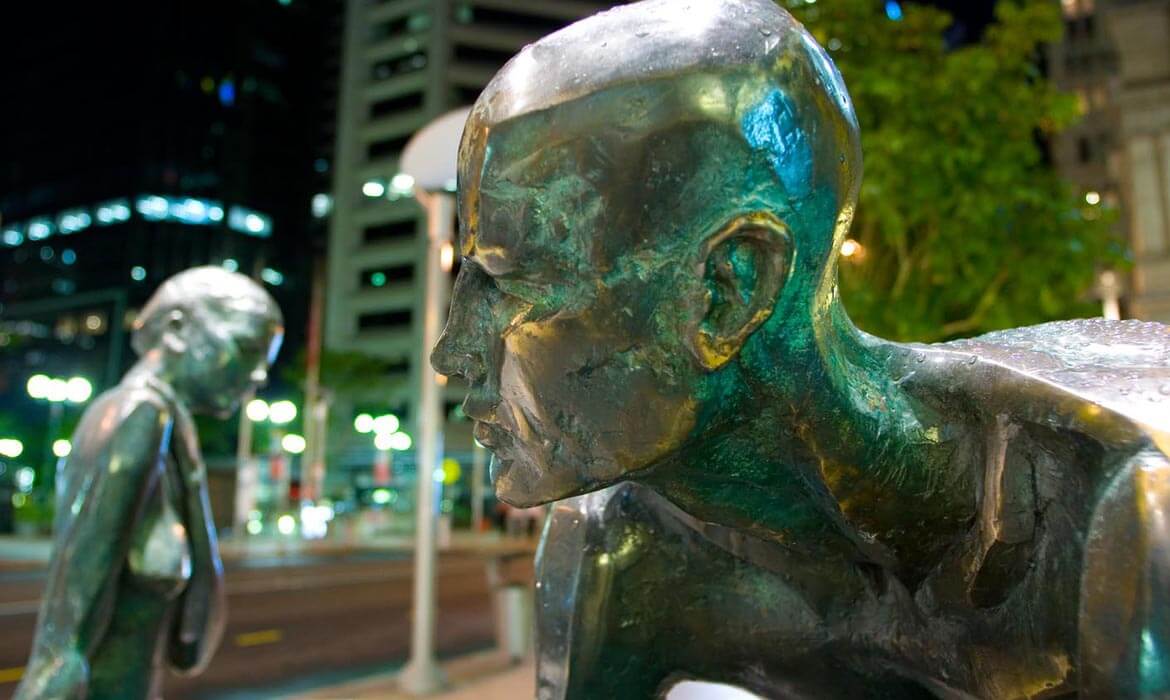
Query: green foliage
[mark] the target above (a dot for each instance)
(964, 226)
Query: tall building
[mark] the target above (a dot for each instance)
(1140, 29)
(142, 138)
(1116, 59)
(405, 62)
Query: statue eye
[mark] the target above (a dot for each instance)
(531, 292)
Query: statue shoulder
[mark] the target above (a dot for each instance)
(1107, 379)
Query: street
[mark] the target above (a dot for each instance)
(298, 622)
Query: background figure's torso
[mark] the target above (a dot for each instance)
(153, 577)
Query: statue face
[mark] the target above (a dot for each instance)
(574, 344)
(227, 356)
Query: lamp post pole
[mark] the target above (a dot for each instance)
(422, 675)
(429, 162)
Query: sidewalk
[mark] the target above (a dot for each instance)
(483, 676)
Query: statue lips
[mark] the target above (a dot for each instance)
(492, 437)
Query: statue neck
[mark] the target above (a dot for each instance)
(831, 457)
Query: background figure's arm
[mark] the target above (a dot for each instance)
(200, 621)
(113, 466)
(1125, 592)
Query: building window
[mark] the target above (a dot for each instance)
(393, 231)
(407, 24)
(477, 55)
(396, 105)
(402, 65)
(385, 320)
(387, 147)
(388, 275)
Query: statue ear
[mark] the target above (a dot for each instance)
(744, 265)
(173, 337)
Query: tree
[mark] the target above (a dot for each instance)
(963, 225)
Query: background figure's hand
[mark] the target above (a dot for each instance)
(64, 676)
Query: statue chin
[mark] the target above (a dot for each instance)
(521, 483)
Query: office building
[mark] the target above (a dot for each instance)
(1115, 58)
(405, 62)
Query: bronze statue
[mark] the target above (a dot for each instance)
(135, 582)
(651, 206)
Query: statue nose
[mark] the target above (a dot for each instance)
(448, 357)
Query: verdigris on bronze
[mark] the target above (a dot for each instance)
(135, 583)
(651, 203)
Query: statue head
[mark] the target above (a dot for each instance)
(214, 334)
(650, 202)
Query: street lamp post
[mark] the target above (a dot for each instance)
(429, 160)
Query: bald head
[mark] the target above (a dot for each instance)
(207, 295)
(656, 118)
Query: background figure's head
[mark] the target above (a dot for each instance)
(651, 201)
(214, 333)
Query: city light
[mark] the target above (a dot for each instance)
(287, 524)
(380, 496)
(58, 390)
(230, 264)
(321, 205)
(12, 237)
(382, 441)
(39, 229)
(272, 277)
(256, 410)
(1092, 198)
(447, 257)
(73, 220)
(78, 389)
(38, 386)
(11, 448)
(255, 527)
(378, 279)
(893, 10)
(293, 443)
(373, 188)
(364, 423)
(281, 412)
(401, 185)
(113, 212)
(849, 248)
(450, 472)
(315, 521)
(138, 273)
(250, 222)
(62, 448)
(386, 424)
(24, 478)
(400, 441)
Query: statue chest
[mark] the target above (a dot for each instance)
(160, 552)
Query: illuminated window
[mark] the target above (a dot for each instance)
(250, 222)
(12, 236)
(39, 229)
(272, 277)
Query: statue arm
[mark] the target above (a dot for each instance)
(1125, 590)
(200, 621)
(103, 501)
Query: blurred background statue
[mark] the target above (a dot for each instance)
(135, 582)
(652, 204)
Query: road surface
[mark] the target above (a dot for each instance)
(299, 622)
